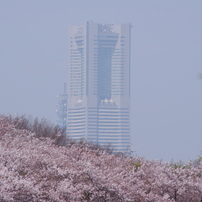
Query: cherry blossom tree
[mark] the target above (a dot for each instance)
(35, 166)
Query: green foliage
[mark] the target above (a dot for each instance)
(180, 164)
(199, 158)
(22, 173)
(136, 164)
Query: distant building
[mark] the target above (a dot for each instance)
(99, 84)
(62, 109)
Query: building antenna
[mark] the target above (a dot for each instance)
(65, 88)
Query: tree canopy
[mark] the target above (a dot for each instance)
(35, 166)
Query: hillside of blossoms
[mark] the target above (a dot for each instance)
(39, 163)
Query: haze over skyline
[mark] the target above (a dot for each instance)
(166, 48)
(98, 88)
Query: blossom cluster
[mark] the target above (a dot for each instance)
(34, 168)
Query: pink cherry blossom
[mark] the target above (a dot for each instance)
(36, 168)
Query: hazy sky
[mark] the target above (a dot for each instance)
(166, 61)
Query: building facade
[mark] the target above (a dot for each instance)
(99, 84)
(61, 109)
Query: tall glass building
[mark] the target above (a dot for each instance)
(99, 84)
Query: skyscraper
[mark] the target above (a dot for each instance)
(99, 84)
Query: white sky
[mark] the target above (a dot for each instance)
(166, 59)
